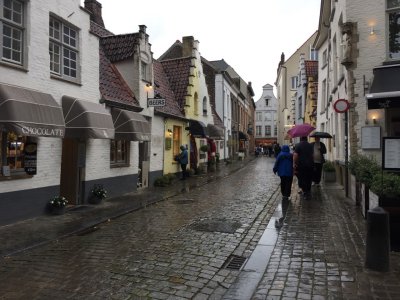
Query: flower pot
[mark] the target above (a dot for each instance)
(57, 210)
(94, 199)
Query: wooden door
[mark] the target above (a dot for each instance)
(69, 185)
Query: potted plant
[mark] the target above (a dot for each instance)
(57, 205)
(329, 171)
(387, 187)
(98, 194)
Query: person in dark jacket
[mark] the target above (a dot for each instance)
(303, 166)
(183, 160)
(284, 167)
(319, 159)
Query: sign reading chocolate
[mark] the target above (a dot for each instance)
(40, 131)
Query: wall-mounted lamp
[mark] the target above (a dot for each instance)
(374, 120)
(169, 132)
(372, 31)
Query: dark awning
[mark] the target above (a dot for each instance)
(30, 113)
(385, 88)
(215, 132)
(197, 129)
(130, 125)
(242, 136)
(84, 119)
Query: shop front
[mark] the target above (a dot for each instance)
(29, 122)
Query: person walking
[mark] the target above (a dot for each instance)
(277, 149)
(319, 149)
(284, 167)
(303, 166)
(183, 161)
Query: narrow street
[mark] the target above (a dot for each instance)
(174, 249)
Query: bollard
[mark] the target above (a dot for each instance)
(378, 240)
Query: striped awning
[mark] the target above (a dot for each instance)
(130, 125)
(30, 113)
(84, 119)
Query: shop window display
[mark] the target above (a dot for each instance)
(12, 152)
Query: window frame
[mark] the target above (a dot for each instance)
(294, 82)
(176, 140)
(205, 112)
(390, 11)
(115, 163)
(68, 42)
(268, 130)
(21, 27)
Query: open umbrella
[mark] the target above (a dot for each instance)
(300, 130)
(321, 134)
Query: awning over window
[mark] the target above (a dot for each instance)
(30, 113)
(130, 125)
(197, 129)
(84, 119)
(215, 132)
(385, 88)
(242, 136)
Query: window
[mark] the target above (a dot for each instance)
(295, 80)
(268, 116)
(258, 130)
(12, 151)
(323, 95)
(196, 104)
(324, 59)
(268, 130)
(119, 153)
(205, 106)
(259, 116)
(313, 54)
(144, 71)
(267, 101)
(275, 130)
(393, 11)
(177, 137)
(12, 25)
(63, 50)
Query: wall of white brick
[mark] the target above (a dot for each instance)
(38, 77)
(157, 144)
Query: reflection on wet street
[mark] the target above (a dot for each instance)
(171, 249)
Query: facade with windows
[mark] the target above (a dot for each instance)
(266, 117)
(359, 64)
(287, 83)
(38, 72)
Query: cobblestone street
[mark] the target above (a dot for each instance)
(170, 250)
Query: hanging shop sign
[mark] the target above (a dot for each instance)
(155, 102)
(341, 105)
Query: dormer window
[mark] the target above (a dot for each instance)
(267, 102)
(205, 106)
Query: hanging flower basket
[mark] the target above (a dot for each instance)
(57, 205)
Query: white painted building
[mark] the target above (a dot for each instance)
(266, 117)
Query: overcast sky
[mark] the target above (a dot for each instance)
(249, 35)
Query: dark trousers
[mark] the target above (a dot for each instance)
(286, 185)
(304, 176)
(317, 172)
(184, 173)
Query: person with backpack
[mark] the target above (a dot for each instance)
(284, 168)
(183, 161)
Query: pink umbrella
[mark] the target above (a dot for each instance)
(301, 130)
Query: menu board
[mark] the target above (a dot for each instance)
(371, 137)
(30, 158)
(391, 153)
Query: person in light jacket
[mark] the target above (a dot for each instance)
(284, 167)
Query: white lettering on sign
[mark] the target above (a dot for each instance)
(42, 131)
(152, 102)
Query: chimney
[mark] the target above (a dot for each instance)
(95, 11)
(188, 44)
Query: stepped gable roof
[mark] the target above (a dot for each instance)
(178, 72)
(112, 85)
(98, 30)
(311, 67)
(175, 51)
(162, 88)
(119, 47)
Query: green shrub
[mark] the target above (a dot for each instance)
(165, 180)
(365, 169)
(204, 148)
(328, 166)
(354, 161)
(386, 184)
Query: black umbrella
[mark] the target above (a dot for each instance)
(321, 134)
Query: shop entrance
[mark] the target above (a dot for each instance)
(72, 170)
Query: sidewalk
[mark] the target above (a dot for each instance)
(34, 232)
(320, 253)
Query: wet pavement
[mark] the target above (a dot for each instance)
(225, 235)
